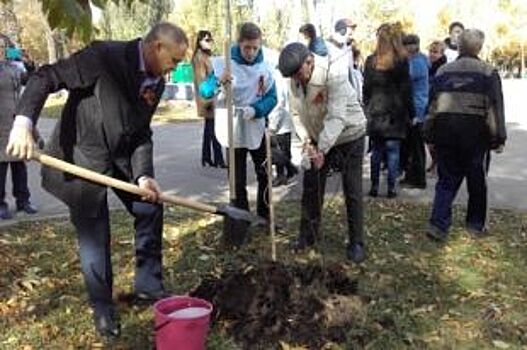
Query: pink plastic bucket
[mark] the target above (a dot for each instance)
(181, 322)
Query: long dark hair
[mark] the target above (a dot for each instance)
(202, 34)
(308, 30)
(390, 48)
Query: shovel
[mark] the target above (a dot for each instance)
(90, 175)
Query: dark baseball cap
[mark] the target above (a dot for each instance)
(344, 23)
(292, 58)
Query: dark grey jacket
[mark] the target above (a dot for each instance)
(105, 124)
(466, 106)
(10, 84)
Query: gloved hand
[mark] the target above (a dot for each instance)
(305, 162)
(151, 185)
(21, 143)
(248, 113)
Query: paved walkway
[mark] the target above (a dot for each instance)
(177, 162)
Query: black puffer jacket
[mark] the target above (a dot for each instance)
(388, 100)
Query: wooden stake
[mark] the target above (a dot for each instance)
(228, 100)
(270, 189)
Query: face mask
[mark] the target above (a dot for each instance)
(341, 39)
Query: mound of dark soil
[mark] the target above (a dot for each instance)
(262, 305)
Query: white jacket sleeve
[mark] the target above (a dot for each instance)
(340, 96)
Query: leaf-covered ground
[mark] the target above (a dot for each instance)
(466, 294)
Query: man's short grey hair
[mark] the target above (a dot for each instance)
(471, 41)
(167, 32)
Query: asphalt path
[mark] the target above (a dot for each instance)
(177, 149)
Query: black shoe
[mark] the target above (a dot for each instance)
(150, 297)
(475, 233)
(404, 181)
(392, 194)
(107, 322)
(418, 185)
(27, 207)
(280, 180)
(292, 172)
(5, 214)
(435, 233)
(302, 242)
(355, 252)
(204, 163)
(373, 193)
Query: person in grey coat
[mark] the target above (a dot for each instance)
(114, 89)
(10, 87)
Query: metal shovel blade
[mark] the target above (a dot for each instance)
(235, 213)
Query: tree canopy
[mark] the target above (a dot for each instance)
(503, 21)
(74, 16)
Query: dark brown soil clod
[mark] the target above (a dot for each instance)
(262, 305)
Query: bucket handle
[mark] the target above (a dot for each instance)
(162, 325)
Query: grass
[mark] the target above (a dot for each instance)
(466, 294)
(167, 111)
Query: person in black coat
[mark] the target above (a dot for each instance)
(114, 88)
(388, 103)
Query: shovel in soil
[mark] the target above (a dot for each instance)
(230, 212)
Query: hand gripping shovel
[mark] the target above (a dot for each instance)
(226, 210)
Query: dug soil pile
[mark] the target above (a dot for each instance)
(304, 305)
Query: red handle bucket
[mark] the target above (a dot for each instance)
(181, 322)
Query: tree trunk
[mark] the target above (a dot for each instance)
(52, 50)
(522, 58)
(9, 25)
(296, 20)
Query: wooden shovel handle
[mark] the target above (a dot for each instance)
(105, 180)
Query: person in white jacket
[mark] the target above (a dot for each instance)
(340, 48)
(332, 125)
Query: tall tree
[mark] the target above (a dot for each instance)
(122, 21)
(9, 23)
(74, 16)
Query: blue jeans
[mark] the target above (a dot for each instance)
(389, 150)
(454, 165)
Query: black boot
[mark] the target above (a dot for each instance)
(106, 321)
(280, 180)
(302, 242)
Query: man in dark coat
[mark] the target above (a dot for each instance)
(114, 88)
(466, 120)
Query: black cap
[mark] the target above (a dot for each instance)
(344, 23)
(291, 58)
